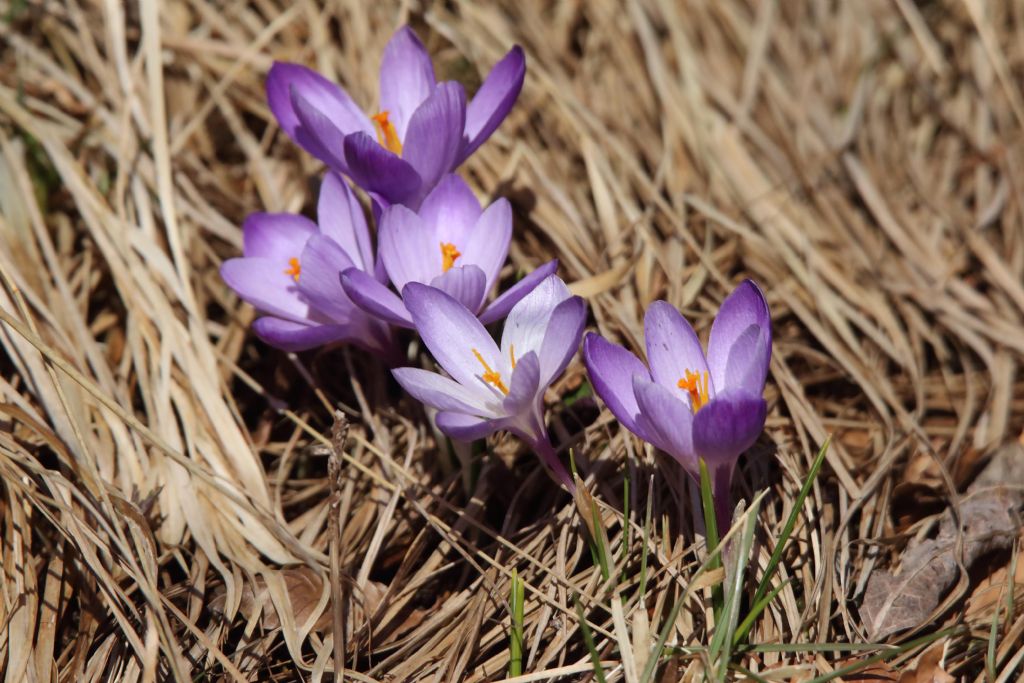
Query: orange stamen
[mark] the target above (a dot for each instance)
(695, 384)
(490, 376)
(449, 252)
(387, 136)
(512, 354)
(294, 269)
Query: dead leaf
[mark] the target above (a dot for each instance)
(929, 667)
(896, 601)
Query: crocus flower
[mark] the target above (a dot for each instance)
(422, 131)
(690, 405)
(451, 243)
(491, 388)
(289, 272)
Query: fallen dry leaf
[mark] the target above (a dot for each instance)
(895, 601)
(929, 667)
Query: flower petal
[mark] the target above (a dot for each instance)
(494, 99)
(727, 426)
(375, 298)
(672, 347)
(452, 333)
(293, 336)
(451, 210)
(434, 140)
(527, 322)
(318, 134)
(746, 306)
(378, 170)
(327, 97)
(467, 427)
(501, 306)
(263, 283)
(320, 281)
(486, 245)
(440, 392)
(277, 236)
(406, 78)
(612, 369)
(562, 339)
(666, 419)
(465, 284)
(341, 218)
(409, 250)
(747, 366)
(524, 386)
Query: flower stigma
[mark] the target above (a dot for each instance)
(294, 268)
(695, 384)
(387, 136)
(490, 376)
(449, 252)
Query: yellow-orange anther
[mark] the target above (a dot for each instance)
(449, 252)
(695, 384)
(294, 269)
(387, 136)
(490, 376)
(512, 354)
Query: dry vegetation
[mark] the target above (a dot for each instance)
(166, 503)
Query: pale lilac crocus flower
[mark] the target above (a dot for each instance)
(422, 131)
(452, 244)
(490, 388)
(289, 272)
(690, 405)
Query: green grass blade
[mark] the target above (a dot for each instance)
(882, 656)
(780, 545)
(724, 630)
(588, 639)
(666, 629)
(707, 501)
(600, 545)
(517, 601)
(756, 610)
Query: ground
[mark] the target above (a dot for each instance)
(173, 506)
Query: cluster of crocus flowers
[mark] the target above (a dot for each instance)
(690, 404)
(438, 259)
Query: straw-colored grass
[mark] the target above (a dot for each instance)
(171, 507)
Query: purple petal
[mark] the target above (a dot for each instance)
(465, 284)
(452, 333)
(667, 421)
(494, 100)
(440, 392)
(527, 323)
(563, 338)
(263, 283)
(342, 219)
(278, 236)
(293, 337)
(408, 248)
(451, 210)
(318, 134)
(378, 170)
(746, 306)
(406, 78)
(320, 282)
(373, 297)
(727, 426)
(467, 427)
(612, 369)
(747, 366)
(524, 386)
(486, 245)
(672, 348)
(501, 306)
(333, 101)
(434, 140)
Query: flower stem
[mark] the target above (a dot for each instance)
(543, 448)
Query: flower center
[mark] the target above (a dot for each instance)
(294, 269)
(387, 136)
(449, 252)
(490, 376)
(696, 385)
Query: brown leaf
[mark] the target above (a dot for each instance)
(929, 667)
(895, 601)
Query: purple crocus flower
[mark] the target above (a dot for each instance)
(452, 244)
(289, 272)
(423, 130)
(491, 388)
(690, 405)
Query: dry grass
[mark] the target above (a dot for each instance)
(164, 473)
